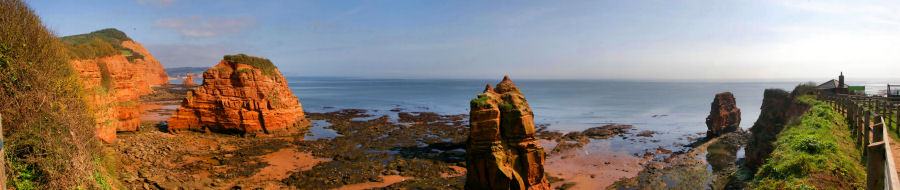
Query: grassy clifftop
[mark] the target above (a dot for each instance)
(262, 64)
(99, 43)
(815, 151)
(47, 129)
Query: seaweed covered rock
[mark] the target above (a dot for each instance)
(244, 95)
(502, 152)
(724, 116)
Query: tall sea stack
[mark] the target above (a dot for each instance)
(502, 152)
(724, 116)
(244, 95)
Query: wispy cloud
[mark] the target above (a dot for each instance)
(180, 55)
(157, 3)
(199, 27)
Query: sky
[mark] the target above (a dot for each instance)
(524, 39)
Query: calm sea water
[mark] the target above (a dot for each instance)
(567, 105)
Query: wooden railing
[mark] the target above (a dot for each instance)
(866, 117)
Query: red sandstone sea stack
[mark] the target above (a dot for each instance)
(242, 94)
(188, 80)
(502, 152)
(724, 116)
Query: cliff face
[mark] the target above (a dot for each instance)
(777, 110)
(115, 81)
(154, 74)
(239, 98)
(724, 116)
(502, 152)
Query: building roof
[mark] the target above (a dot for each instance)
(832, 84)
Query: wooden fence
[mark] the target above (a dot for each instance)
(870, 119)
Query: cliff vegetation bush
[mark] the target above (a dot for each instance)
(263, 64)
(817, 151)
(98, 44)
(47, 128)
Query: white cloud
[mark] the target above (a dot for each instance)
(157, 3)
(197, 26)
(179, 55)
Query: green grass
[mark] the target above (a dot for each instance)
(263, 64)
(98, 44)
(481, 101)
(815, 151)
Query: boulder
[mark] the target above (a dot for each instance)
(502, 152)
(189, 80)
(724, 116)
(243, 95)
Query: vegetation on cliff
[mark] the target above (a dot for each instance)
(263, 64)
(98, 44)
(817, 150)
(48, 131)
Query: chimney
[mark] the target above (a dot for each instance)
(841, 80)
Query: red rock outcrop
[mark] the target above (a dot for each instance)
(240, 98)
(502, 152)
(189, 80)
(777, 110)
(724, 116)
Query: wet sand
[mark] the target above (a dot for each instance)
(591, 167)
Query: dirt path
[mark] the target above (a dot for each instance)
(895, 150)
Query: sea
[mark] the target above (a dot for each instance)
(675, 110)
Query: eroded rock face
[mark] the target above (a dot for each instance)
(724, 116)
(777, 110)
(188, 80)
(154, 73)
(502, 152)
(239, 98)
(114, 85)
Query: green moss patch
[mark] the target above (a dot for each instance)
(816, 151)
(262, 64)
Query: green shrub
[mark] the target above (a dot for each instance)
(48, 129)
(263, 64)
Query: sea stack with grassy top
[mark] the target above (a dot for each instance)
(502, 152)
(243, 95)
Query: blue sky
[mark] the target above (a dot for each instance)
(524, 39)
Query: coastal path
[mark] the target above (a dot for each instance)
(871, 119)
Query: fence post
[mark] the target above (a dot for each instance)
(2, 157)
(875, 166)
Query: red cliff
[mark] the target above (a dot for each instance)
(778, 109)
(724, 116)
(502, 152)
(116, 71)
(242, 94)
